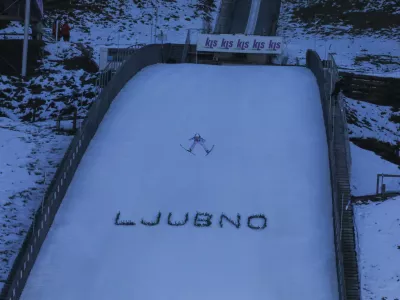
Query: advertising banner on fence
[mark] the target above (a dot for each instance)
(239, 43)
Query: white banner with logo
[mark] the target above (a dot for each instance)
(239, 43)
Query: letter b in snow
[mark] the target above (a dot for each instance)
(202, 219)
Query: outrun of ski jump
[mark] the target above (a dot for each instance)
(261, 168)
(197, 139)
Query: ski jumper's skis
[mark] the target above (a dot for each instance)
(187, 150)
(208, 152)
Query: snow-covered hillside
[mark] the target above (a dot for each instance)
(360, 34)
(122, 23)
(114, 23)
(378, 228)
(146, 171)
(368, 120)
(377, 224)
(28, 151)
(29, 155)
(65, 78)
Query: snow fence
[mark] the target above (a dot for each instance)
(146, 56)
(340, 166)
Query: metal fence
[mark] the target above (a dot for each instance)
(383, 188)
(314, 63)
(334, 77)
(45, 215)
(120, 55)
(191, 38)
(340, 166)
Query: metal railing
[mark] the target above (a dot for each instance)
(340, 166)
(113, 66)
(191, 37)
(334, 77)
(381, 186)
(186, 47)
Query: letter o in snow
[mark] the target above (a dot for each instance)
(250, 225)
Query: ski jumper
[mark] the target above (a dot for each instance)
(197, 139)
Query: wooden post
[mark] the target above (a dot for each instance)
(377, 183)
(33, 114)
(58, 122)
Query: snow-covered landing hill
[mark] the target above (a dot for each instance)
(28, 150)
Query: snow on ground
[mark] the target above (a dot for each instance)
(365, 51)
(29, 155)
(368, 120)
(55, 90)
(365, 166)
(145, 171)
(377, 224)
(378, 228)
(122, 23)
(115, 23)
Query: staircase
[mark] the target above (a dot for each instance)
(200, 57)
(175, 53)
(348, 240)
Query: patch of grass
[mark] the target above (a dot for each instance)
(344, 12)
(395, 118)
(2, 114)
(377, 59)
(80, 63)
(4, 24)
(352, 117)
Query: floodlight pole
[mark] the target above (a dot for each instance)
(26, 36)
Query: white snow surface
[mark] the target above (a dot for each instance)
(365, 166)
(378, 227)
(375, 53)
(29, 155)
(135, 165)
(120, 24)
(373, 121)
